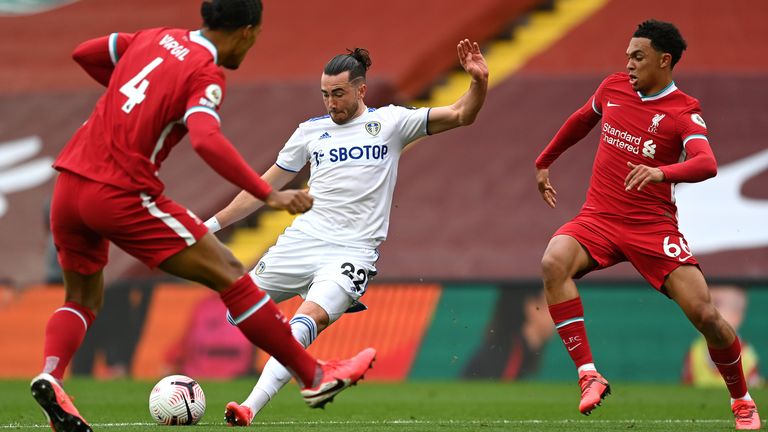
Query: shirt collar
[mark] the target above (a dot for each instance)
(665, 91)
(197, 37)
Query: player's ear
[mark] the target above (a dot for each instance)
(362, 89)
(247, 32)
(665, 60)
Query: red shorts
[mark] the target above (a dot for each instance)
(655, 248)
(87, 215)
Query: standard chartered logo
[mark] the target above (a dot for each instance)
(621, 139)
(626, 141)
(649, 149)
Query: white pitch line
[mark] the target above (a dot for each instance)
(409, 422)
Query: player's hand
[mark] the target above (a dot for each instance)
(291, 200)
(472, 60)
(548, 193)
(641, 175)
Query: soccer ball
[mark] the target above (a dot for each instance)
(177, 400)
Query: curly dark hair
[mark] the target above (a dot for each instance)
(231, 14)
(664, 36)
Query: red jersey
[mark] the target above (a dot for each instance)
(650, 130)
(161, 76)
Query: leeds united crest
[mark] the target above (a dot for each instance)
(373, 128)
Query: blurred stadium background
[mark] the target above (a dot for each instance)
(458, 294)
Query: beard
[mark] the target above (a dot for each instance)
(349, 113)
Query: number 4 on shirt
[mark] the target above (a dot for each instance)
(136, 88)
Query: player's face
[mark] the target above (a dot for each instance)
(243, 41)
(645, 65)
(343, 99)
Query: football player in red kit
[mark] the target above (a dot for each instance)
(652, 137)
(161, 84)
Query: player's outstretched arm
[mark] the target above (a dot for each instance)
(576, 127)
(464, 111)
(221, 155)
(99, 56)
(245, 203)
(572, 131)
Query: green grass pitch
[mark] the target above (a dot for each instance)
(415, 406)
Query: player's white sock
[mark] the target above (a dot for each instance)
(275, 375)
(746, 397)
(586, 367)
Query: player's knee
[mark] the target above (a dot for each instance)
(236, 266)
(232, 270)
(230, 263)
(706, 318)
(553, 268)
(222, 276)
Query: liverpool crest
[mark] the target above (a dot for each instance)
(654, 127)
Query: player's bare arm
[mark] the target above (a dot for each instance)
(464, 111)
(548, 193)
(245, 203)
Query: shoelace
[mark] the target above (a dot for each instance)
(744, 412)
(591, 379)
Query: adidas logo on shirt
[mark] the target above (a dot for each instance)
(324, 135)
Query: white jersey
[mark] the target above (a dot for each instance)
(353, 170)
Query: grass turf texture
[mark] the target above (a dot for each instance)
(421, 406)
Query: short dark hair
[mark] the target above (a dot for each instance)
(664, 36)
(230, 14)
(356, 61)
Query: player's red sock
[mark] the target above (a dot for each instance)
(63, 335)
(728, 362)
(264, 325)
(569, 322)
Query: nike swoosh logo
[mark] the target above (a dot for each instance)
(58, 416)
(574, 347)
(611, 104)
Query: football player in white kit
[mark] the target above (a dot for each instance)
(329, 253)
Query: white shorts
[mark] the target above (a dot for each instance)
(331, 275)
